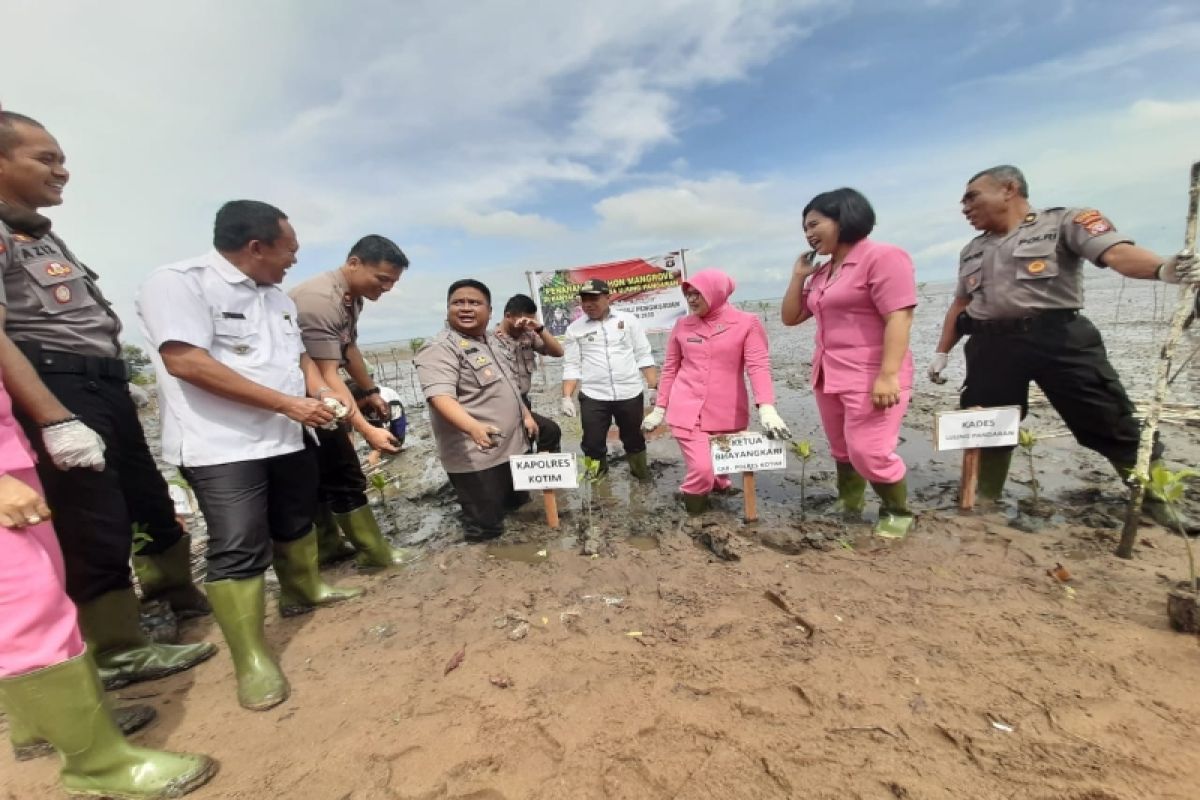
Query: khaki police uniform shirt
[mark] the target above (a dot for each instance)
(328, 315)
(519, 353)
(474, 371)
(1036, 267)
(50, 297)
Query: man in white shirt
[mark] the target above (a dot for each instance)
(604, 352)
(236, 392)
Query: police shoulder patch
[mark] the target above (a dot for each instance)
(62, 293)
(1087, 217)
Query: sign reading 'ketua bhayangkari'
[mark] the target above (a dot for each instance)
(746, 452)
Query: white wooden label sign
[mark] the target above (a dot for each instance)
(978, 427)
(544, 471)
(747, 452)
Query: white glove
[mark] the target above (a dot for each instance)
(339, 412)
(567, 407)
(654, 418)
(73, 444)
(938, 366)
(772, 425)
(1180, 268)
(651, 395)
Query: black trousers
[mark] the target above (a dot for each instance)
(1068, 362)
(597, 415)
(247, 504)
(486, 497)
(549, 438)
(343, 485)
(95, 513)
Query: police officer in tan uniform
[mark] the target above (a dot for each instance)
(522, 337)
(477, 414)
(329, 305)
(1019, 299)
(55, 313)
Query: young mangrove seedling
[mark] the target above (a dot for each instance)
(1170, 486)
(803, 451)
(1028, 441)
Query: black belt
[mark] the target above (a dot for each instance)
(56, 362)
(969, 326)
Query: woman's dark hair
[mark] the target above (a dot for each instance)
(240, 222)
(469, 283)
(849, 209)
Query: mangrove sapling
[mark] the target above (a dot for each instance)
(1028, 441)
(803, 450)
(1183, 604)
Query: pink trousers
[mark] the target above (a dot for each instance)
(38, 623)
(864, 435)
(697, 456)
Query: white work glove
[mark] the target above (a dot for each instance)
(651, 395)
(567, 406)
(771, 423)
(938, 366)
(654, 418)
(339, 412)
(73, 444)
(1180, 268)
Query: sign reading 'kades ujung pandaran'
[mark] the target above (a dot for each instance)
(977, 427)
(746, 452)
(544, 471)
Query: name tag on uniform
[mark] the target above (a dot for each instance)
(695, 339)
(232, 315)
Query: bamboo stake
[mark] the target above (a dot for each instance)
(1183, 308)
(748, 496)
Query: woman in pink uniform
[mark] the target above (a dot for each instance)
(702, 390)
(48, 685)
(863, 301)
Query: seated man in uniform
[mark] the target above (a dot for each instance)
(476, 411)
(522, 337)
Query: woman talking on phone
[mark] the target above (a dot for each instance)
(862, 299)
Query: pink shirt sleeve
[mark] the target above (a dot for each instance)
(670, 368)
(893, 281)
(758, 363)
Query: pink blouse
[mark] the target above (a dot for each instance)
(15, 453)
(874, 280)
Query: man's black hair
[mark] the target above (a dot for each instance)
(375, 249)
(240, 222)
(469, 283)
(520, 304)
(849, 209)
(9, 137)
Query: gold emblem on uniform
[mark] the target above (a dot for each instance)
(463, 343)
(62, 294)
(487, 373)
(21, 237)
(1036, 267)
(1030, 217)
(57, 270)
(481, 361)
(241, 349)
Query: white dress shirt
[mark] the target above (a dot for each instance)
(606, 356)
(209, 303)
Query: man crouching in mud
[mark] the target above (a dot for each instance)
(477, 416)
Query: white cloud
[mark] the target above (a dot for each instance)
(505, 224)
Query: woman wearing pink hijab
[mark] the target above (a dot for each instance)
(702, 391)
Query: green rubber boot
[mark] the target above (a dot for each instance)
(993, 473)
(895, 519)
(168, 576)
(594, 469)
(694, 504)
(331, 547)
(639, 467)
(64, 704)
(301, 587)
(852, 493)
(374, 551)
(112, 628)
(27, 745)
(240, 607)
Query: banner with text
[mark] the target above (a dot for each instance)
(647, 288)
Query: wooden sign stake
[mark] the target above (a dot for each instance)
(970, 476)
(551, 503)
(748, 496)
